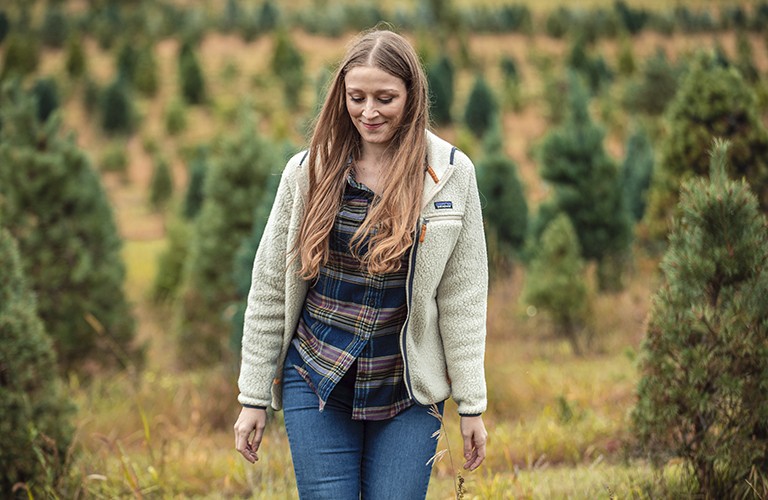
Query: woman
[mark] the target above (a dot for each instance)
(369, 289)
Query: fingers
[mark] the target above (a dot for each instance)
(250, 421)
(476, 456)
(475, 435)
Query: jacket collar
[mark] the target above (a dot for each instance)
(439, 166)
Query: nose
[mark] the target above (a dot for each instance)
(369, 110)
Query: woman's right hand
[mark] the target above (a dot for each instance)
(250, 421)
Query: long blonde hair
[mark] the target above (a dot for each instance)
(392, 220)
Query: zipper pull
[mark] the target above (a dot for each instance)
(423, 231)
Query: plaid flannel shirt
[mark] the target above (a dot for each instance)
(350, 316)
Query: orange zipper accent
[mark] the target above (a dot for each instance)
(432, 174)
(423, 232)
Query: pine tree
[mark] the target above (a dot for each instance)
(198, 169)
(175, 117)
(145, 77)
(21, 54)
(46, 94)
(510, 81)
(55, 27)
(505, 208)
(170, 263)
(269, 16)
(288, 66)
(126, 61)
(654, 87)
(76, 63)
(36, 428)
(161, 184)
(713, 101)
(481, 109)
(56, 208)
(586, 186)
(440, 77)
(233, 188)
(626, 62)
(117, 113)
(556, 284)
(704, 376)
(5, 26)
(745, 59)
(191, 76)
(636, 173)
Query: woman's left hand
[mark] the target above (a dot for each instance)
(474, 434)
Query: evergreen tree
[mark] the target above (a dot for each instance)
(126, 61)
(36, 428)
(161, 184)
(713, 101)
(47, 96)
(233, 188)
(654, 87)
(556, 284)
(5, 25)
(626, 61)
(510, 81)
(505, 209)
(21, 55)
(175, 117)
(55, 27)
(232, 16)
(198, 169)
(117, 114)
(145, 77)
(76, 60)
(592, 68)
(56, 208)
(191, 76)
(269, 16)
(744, 58)
(704, 376)
(480, 112)
(288, 66)
(586, 186)
(170, 263)
(440, 77)
(636, 173)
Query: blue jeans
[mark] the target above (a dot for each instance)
(338, 458)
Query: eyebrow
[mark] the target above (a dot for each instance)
(380, 91)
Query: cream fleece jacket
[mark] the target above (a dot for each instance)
(443, 338)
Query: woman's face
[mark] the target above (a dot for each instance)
(375, 103)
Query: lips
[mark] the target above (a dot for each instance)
(372, 126)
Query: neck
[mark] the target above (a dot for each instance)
(373, 156)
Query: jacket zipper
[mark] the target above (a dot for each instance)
(423, 231)
(421, 226)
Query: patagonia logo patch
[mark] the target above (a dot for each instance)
(443, 204)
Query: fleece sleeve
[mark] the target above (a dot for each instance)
(264, 323)
(462, 304)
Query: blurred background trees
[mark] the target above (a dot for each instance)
(55, 207)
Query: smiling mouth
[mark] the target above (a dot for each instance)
(372, 126)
